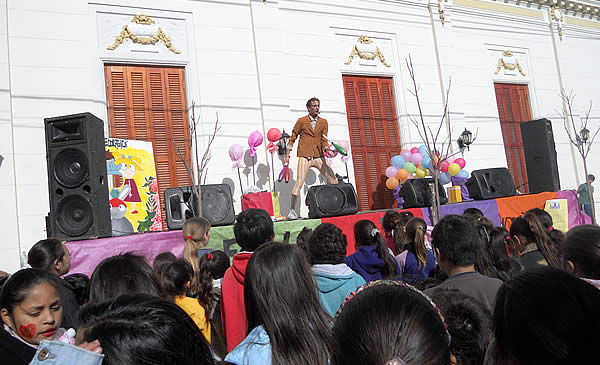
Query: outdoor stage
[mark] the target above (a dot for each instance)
(85, 255)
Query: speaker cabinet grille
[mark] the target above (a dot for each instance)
(217, 205)
(540, 156)
(331, 200)
(490, 184)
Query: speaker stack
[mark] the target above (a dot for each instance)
(331, 200)
(490, 184)
(217, 205)
(77, 182)
(417, 194)
(540, 156)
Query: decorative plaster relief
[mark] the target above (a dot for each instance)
(510, 64)
(141, 36)
(557, 17)
(367, 52)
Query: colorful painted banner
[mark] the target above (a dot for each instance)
(133, 187)
(85, 255)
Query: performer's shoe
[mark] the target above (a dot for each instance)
(292, 214)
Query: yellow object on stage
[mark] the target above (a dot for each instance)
(454, 194)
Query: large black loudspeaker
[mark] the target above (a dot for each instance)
(540, 156)
(490, 184)
(417, 194)
(331, 200)
(77, 184)
(217, 205)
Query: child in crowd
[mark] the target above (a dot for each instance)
(52, 256)
(493, 258)
(81, 287)
(548, 223)
(393, 224)
(144, 330)
(327, 249)
(456, 240)
(372, 259)
(536, 247)
(213, 266)
(252, 228)
(286, 323)
(390, 323)
(176, 281)
(162, 260)
(415, 261)
(122, 274)
(303, 238)
(545, 316)
(196, 233)
(469, 324)
(581, 252)
(31, 311)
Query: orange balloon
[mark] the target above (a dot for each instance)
(436, 159)
(402, 174)
(391, 183)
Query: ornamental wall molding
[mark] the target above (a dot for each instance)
(366, 50)
(509, 62)
(143, 30)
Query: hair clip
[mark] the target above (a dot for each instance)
(508, 238)
(550, 229)
(209, 256)
(189, 238)
(374, 232)
(421, 227)
(396, 361)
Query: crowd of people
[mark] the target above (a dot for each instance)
(467, 293)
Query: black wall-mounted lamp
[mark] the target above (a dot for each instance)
(283, 140)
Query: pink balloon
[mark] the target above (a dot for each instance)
(406, 155)
(236, 152)
(273, 135)
(461, 162)
(391, 171)
(254, 140)
(416, 158)
(414, 150)
(445, 165)
(451, 159)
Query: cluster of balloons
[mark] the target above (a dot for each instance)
(417, 163)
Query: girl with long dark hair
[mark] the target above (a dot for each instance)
(536, 247)
(286, 323)
(372, 259)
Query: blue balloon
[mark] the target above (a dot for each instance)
(426, 162)
(397, 161)
(423, 150)
(445, 178)
(463, 173)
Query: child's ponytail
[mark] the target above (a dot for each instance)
(544, 242)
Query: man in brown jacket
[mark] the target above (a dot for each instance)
(312, 149)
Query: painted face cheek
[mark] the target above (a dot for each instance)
(27, 331)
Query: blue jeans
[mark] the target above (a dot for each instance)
(587, 208)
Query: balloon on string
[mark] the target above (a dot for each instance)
(391, 171)
(414, 150)
(273, 135)
(463, 173)
(391, 183)
(426, 162)
(236, 153)
(461, 162)
(255, 139)
(416, 158)
(397, 161)
(402, 174)
(405, 155)
(444, 178)
(423, 150)
(444, 167)
(420, 173)
(410, 167)
(454, 169)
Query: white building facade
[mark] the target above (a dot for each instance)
(255, 63)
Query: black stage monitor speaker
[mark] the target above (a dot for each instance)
(540, 156)
(331, 200)
(490, 184)
(77, 182)
(217, 205)
(416, 193)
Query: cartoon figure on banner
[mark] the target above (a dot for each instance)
(133, 161)
(128, 167)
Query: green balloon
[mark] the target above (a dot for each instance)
(410, 167)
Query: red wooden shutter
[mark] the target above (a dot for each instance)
(149, 104)
(374, 136)
(513, 108)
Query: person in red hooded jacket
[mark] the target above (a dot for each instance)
(252, 228)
